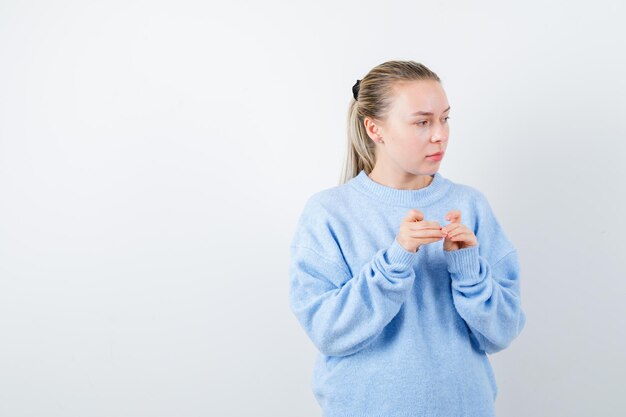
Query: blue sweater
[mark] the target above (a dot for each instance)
(402, 333)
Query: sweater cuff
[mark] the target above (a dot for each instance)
(396, 254)
(463, 263)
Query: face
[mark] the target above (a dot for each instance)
(416, 127)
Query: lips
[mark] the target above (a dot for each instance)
(436, 154)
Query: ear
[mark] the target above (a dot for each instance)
(373, 129)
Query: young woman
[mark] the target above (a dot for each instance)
(402, 279)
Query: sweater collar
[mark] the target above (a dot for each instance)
(405, 198)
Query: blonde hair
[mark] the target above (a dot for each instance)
(375, 93)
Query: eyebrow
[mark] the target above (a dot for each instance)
(426, 113)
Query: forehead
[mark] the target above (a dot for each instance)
(422, 95)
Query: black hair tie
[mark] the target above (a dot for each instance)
(355, 89)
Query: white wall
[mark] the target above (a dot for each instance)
(154, 158)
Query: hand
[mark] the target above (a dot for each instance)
(415, 231)
(457, 236)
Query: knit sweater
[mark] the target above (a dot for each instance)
(402, 333)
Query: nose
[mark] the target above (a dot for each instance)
(440, 134)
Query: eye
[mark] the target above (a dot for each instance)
(422, 123)
(446, 119)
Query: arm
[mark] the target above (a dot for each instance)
(341, 320)
(487, 296)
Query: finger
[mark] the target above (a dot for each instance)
(426, 233)
(431, 224)
(462, 229)
(414, 215)
(457, 232)
(461, 237)
(424, 225)
(452, 227)
(431, 240)
(454, 216)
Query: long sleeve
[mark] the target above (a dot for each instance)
(486, 282)
(487, 296)
(343, 319)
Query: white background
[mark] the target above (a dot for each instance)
(154, 158)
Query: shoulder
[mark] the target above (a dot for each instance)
(471, 194)
(480, 205)
(484, 220)
(328, 202)
(320, 216)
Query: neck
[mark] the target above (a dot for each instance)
(400, 180)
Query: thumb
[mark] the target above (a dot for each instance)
(414, 215)
(454, 216)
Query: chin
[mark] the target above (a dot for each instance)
(422, 171)
(430, 170)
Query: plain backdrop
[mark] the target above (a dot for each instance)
(155, 156)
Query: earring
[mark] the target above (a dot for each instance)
(380, 140)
